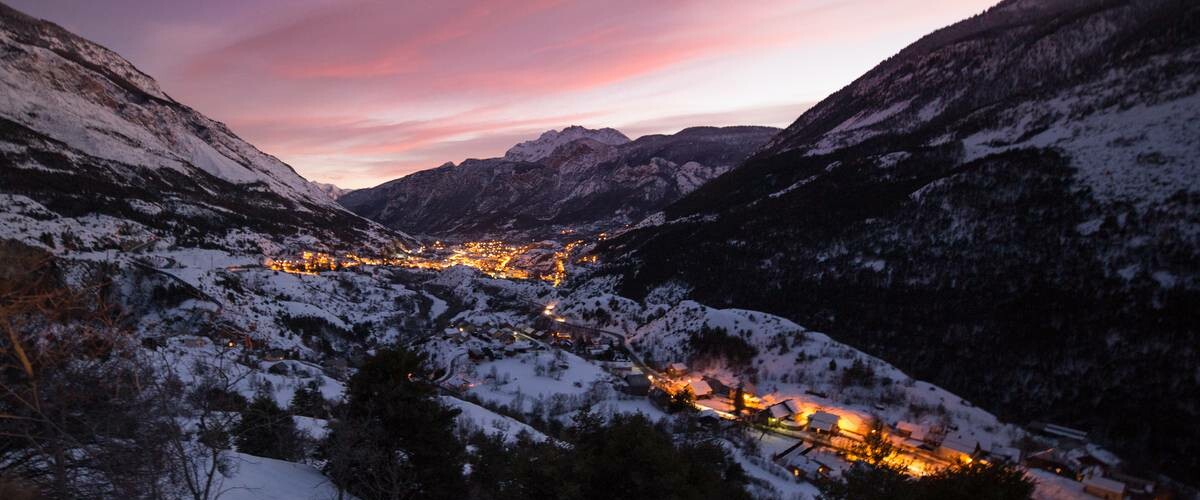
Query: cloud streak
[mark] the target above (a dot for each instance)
(360, 92)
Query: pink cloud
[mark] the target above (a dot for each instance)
(361, 91)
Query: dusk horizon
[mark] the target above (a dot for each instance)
(618, 250)
(359, 93)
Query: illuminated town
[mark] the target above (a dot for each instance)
(494, 258)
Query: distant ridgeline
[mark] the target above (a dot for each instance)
(576, 179)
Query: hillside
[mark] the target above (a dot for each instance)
(575, 179)
(90, 141)
(1007, 208)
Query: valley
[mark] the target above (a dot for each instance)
(972, 272)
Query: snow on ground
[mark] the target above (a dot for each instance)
(1054, 487)
(795, 363)
(782, 485)
(1093, 128)
(474, 416)
(258, 478)
(516, 379)
(192, 358)
(316, 428)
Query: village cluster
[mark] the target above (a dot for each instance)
(818, 438)
(496, 339)
(494, 258)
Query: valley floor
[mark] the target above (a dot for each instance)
(515, 354)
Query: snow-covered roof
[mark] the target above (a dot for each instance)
(809, 466)
(960, 445)
(782, 409)
(700, 387)
(677, 367)
(915, 431)
(823, 420)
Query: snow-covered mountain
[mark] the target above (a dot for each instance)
(578, 178)
(331, 190)
(1009, 208)
(86, 136)
(544, 145)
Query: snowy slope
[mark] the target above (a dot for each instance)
(73, 113)
(1008, 202)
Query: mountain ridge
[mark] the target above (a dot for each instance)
(582, 182)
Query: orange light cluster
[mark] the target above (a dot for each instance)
(494, 258)
(561, 257)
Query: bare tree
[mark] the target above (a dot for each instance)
(75, 419)
(203, 422)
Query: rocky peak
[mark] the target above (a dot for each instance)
(544, 145)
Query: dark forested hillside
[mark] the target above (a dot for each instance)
(1009, 208)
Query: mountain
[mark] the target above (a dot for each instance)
(544, 145)
(597, 179)
(88, 140)
(1009, 208)
(331, 190)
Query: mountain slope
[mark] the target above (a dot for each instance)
(85, 134)
(1009, 207)
(577, 177)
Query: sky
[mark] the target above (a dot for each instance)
(356, 93)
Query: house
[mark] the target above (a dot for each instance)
(909, 435)
(1006, 454)
(958, 449)
(676, 369)
(719, 388)
(781, 410)
(1054, 461)
(804, 467)
(519, 346)
(275, 355)
(913, 431)
(637, 384)
(782, 414)
(1103, 487)
(1059, 431)
(823, 422)
(700, 388)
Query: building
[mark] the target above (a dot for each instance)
(700, 389)
(719, 387)
(909, 435)
(804, 467)
(1105, 488)
(823, 422)
(1006, 454)
(676, 369)
(1059, 431)
(782, 414)
(1054, 461)
(958, 449)
(637, 384)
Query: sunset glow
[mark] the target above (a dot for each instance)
(357, 93)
